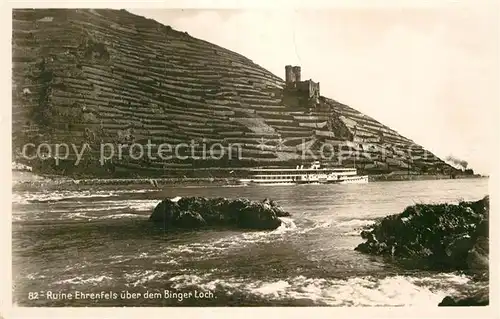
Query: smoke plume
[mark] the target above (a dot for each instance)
(457, 162)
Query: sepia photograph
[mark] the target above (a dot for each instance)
(269, 157)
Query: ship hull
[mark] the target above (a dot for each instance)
(355, 180)
(300, 175)
(347, 180)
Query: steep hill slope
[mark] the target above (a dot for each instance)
(90, 77)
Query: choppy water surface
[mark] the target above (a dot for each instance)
(99, 239)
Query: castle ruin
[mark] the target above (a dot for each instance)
(298, 92)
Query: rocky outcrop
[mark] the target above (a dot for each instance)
(442, 236)
(477, 298)
(108, 76)
(197, 212)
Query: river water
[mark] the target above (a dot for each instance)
(71, 243)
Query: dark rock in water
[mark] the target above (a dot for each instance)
(444, 236)
(196, 212)
(478, 256)
(479, 298)
(165, 211)
(278, 210)
(190, 219)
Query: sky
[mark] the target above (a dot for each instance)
(430, 73)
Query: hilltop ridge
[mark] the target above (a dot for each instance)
(86, 76)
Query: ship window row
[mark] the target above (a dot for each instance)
(276, 177)
(279, 174)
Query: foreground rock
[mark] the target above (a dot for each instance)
(197, 212)
(478, 298)
(444, 236)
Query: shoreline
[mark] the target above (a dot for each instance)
(414, 177)
(29, 178)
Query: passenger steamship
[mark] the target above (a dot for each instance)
(300, 175)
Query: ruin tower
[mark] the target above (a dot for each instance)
(289, 74)
(296, 72)
(298, 92)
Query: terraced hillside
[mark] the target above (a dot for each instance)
(106, 76)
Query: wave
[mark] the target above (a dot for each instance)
(226, 244)
(142, 204)
(21, 216)
(83, 215)
(33, 198)
(356, 291)
(142, 277)
(118, 216)
(80, 280)
(169, 262)
(76, 216)
(108, 209)
(56, 196)
(316, 225)
(135, 205)
(356, 223)
(174, 254)
(287, 224)
(35, 276)
(353, 233)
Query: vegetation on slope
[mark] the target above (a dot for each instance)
(90, 77)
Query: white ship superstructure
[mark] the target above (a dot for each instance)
(300, 175)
